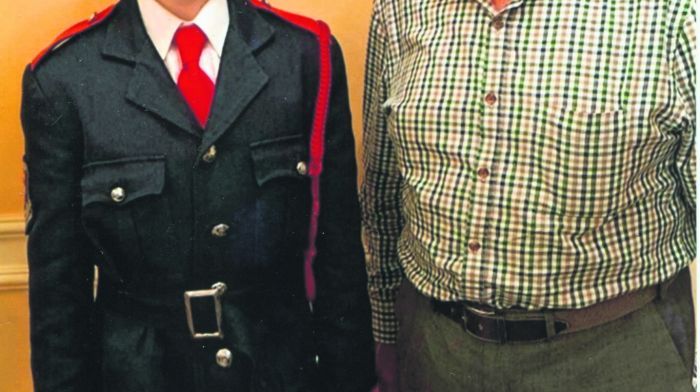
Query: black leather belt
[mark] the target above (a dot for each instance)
(502, 326)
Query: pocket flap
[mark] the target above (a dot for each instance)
(280, 157)
(137, 177)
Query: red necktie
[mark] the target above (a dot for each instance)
(193, 82)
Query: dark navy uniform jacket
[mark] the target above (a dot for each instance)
(121, 176)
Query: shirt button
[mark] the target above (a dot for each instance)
(118, 194)
(210, 155)
(474, 247)
(224, 358)
(483, 174)
(490, 99)
(497, 23)
(220, 230)
(302, 168)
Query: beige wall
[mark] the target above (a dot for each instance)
(30, 25)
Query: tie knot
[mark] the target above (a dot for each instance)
(190, 41)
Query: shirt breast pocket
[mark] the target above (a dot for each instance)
(125, 214)
(583, 63)
(594, 165)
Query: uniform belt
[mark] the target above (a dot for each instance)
(502, 326)
(172, 309)
(161, 311)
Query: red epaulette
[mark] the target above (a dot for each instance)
(317, 140)
(72, 31)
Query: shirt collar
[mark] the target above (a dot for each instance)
(161, 24)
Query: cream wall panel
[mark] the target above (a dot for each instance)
(14, 310)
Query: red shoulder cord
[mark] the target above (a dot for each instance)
(318, 130)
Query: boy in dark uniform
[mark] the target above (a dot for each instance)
(202, 151)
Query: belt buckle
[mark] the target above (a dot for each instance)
(501, 330)
(480, 312)
(216, 292)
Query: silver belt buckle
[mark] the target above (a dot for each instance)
(216, 292)
(481, 312)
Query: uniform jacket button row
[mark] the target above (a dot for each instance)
(210, 155)
(224, 358)
(220, 230)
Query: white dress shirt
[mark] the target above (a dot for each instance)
(161, 26)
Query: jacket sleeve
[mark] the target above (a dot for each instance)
(380, 191)
(63, 349)
(342, 313)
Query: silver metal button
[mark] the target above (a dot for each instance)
(302, 168)
(210, 155)
(224, 358)
(118, 194)
(220, 230)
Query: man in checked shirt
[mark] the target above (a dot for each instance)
(529, 182)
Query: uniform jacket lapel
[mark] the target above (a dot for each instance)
(150, 86)
(240, 76)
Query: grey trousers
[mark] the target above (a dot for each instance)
(650, 350)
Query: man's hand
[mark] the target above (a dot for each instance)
(387, 368)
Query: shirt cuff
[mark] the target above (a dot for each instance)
(384, 322)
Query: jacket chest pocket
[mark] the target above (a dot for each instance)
(282, 202)
(125, 213)
(280, 160)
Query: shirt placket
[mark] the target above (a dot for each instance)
(493, 104)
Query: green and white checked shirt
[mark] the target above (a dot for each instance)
(541, 158)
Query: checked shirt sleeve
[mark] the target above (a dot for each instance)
(379, 194)
(684, 77)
